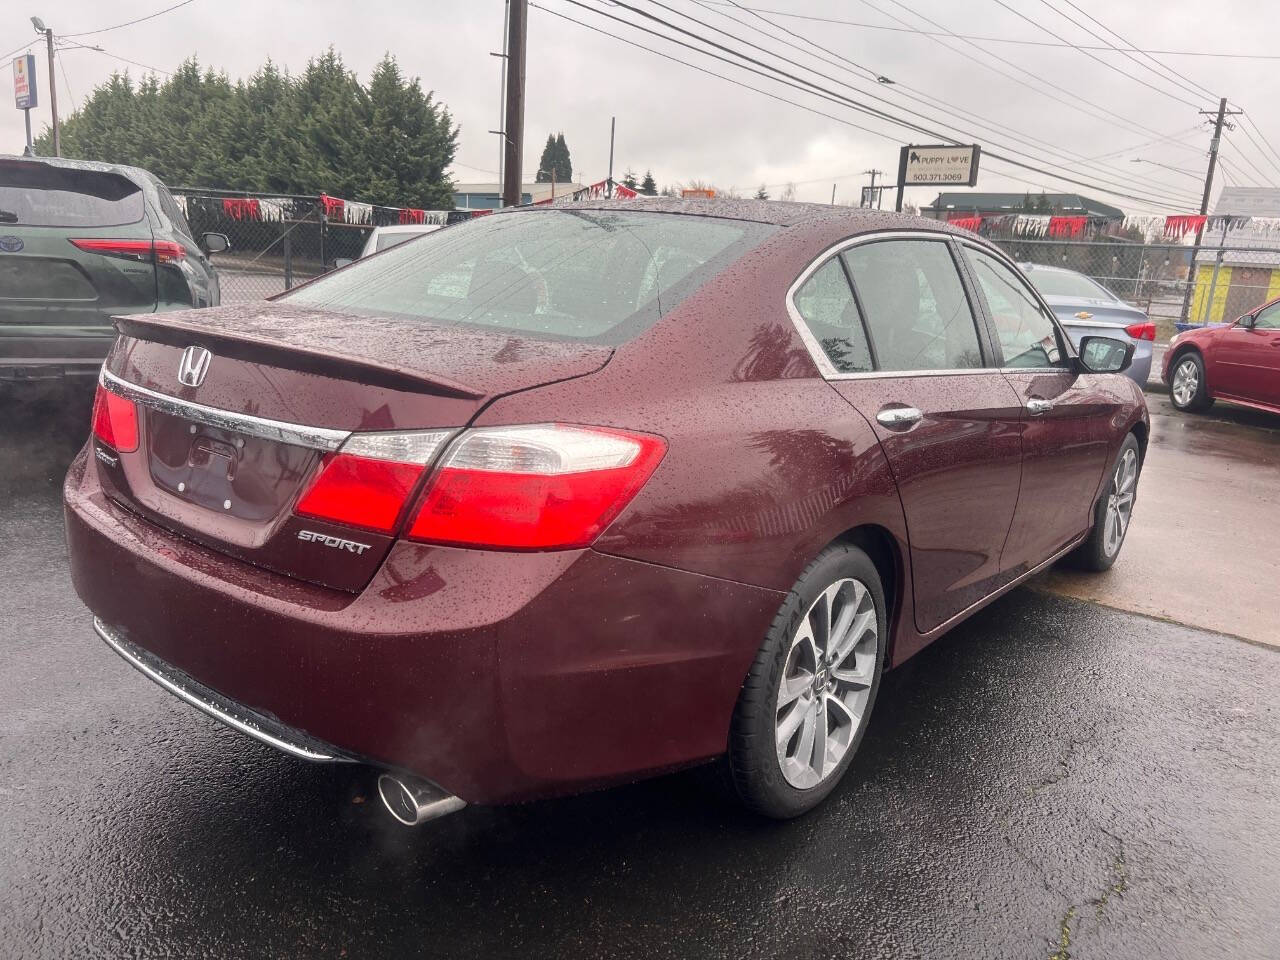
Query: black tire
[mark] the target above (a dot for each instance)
(1199, 400)
(751, 770)
(1096, 554)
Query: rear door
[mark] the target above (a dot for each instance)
(904, 348)
(1246, 360)
(1066, 429)
(75, 248)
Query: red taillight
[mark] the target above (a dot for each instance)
(161, 251)
(542, 487)
(115, 421)
(366, 483)
(360, 492)
(1141, 331)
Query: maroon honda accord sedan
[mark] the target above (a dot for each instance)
(565, 497)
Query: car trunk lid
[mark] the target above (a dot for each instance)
(227, 461)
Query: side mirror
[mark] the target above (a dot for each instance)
(212, 243)
(1105, 355)
(342, 262)
(1246, 321)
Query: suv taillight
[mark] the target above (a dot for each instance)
(1141, 331)
(161, 251)
(115, 420)
(540, 487)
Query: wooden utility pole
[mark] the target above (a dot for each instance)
(53, 95)
(517, 36)
(1219, 122)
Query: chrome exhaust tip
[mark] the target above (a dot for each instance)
(413, 801)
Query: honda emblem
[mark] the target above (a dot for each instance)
(193, 366)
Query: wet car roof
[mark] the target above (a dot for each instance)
(778, 212)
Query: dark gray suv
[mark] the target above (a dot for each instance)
(81, 242)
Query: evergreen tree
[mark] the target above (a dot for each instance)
(564, 166)
(762, 192)
(648, 186)
(629, 180)
(547, 162)
(555, 158)
(320, 132)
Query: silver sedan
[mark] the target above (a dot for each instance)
(1086, 308)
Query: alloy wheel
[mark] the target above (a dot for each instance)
(1120, 502)
(1186, 382)
(826, 683)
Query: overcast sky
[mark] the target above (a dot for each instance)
(686, 125)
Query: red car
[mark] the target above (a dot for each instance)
(564, 497)
(1238, 363)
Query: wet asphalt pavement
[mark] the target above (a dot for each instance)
(1054, 779)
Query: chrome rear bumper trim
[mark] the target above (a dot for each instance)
(318, 438)
(152, 668)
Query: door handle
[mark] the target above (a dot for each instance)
(1037, 407)
(899, 416)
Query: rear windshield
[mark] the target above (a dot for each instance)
(594, 275)
(1059, 283)
(39, 195)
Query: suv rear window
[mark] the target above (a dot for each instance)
(595, 275)
(40, 195)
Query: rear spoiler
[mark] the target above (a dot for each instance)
(325, 359)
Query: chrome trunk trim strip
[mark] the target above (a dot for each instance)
(317, 438)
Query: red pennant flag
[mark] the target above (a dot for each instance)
(332, 206)
(966, 223)
(409, 215)
(1177, 227)
(1067, 226)
(241, 208)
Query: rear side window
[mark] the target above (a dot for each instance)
(40, 195)
(597, 275)
(173, 211)
(915, 304)
(826, 304)
(1027, 335)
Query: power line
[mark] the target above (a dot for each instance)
(1133, 125)
(113, 56)
(894, 86)
(1247, 117)
(1095, 57)
(824, 95)
(1162, 73)
(129, 23)
(24, 48)
(970, 36)
(1165, 67)
(828, 94)
(62, 65)
(1245, 157)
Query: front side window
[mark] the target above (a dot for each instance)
(598, 275)
(916, 309)
(1268, 318)
(1027, 334)
(826, 304)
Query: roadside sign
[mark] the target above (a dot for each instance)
(704, 194)
(24, 82)
(870, 197)
(933, 165)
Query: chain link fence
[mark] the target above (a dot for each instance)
(278, 240)
(1223, 281)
